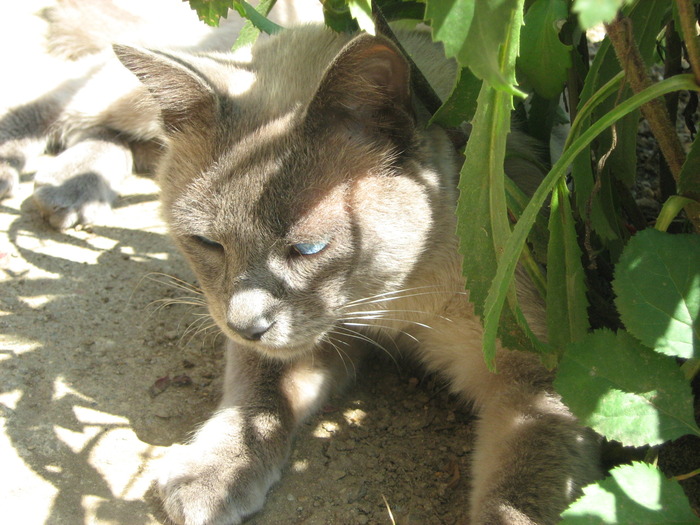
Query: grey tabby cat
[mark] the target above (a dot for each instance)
(308, 194)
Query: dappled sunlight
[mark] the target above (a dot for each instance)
(79, 431)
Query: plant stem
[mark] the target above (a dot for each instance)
(620, 33)
(686, 14)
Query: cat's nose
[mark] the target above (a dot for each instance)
(254, 330)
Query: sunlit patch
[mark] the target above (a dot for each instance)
(55, 469)
(37, 301)
(76, 441)
(242, 81)
(265, 424)
(90, 416)
(11, 398)
(354, 416)
(326, 429)
(300, 465)
(61, 389)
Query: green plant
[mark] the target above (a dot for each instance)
(617, 365)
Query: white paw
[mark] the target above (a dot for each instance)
(201, 487)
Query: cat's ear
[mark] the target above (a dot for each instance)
(184, 96)
(366, 90)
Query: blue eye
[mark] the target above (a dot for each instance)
(309, 248)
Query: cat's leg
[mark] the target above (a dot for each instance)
(531, 457)
(224, 473)
(79, 185)
(24, 133)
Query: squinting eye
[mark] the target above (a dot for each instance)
(309, 248)
(207, 242)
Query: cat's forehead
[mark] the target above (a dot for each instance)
(280, 184)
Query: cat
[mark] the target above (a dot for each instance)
(309, 196)
(315, 206)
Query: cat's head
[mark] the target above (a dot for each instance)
(290, 217)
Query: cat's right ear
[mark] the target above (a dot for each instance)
(366, 91)
(184, 96)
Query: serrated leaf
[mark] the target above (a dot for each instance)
(544, 60)
(624, 390)
(567, 315)
(505, 272)
(594, 12)
(636, 493)
(483, 202)
(657, 283)
(476, 37)
(211, 11)
(337, 16)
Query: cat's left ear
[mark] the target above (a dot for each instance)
(366, 90)
(185, 97)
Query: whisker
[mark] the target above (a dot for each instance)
(385, 327)
(401, 294)
(389, 294)
(402, 311)
(173, 282)
(415, 323)
(341, 353)
(349, 332)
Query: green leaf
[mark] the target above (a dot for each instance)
(211, 11)
(482, 200)
(624, 390)
(250, 31)
(567, 314)
(337, 16)
(502, 283)
(594, 12)
(670, 210)
(361, 11)
(543, 58)
(461, 104)
(636, 493)
(658, 291)
(479, 38)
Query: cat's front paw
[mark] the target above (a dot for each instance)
(83, 199)
(212, 488)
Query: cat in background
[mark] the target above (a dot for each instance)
(64, 93)
(316, 207)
